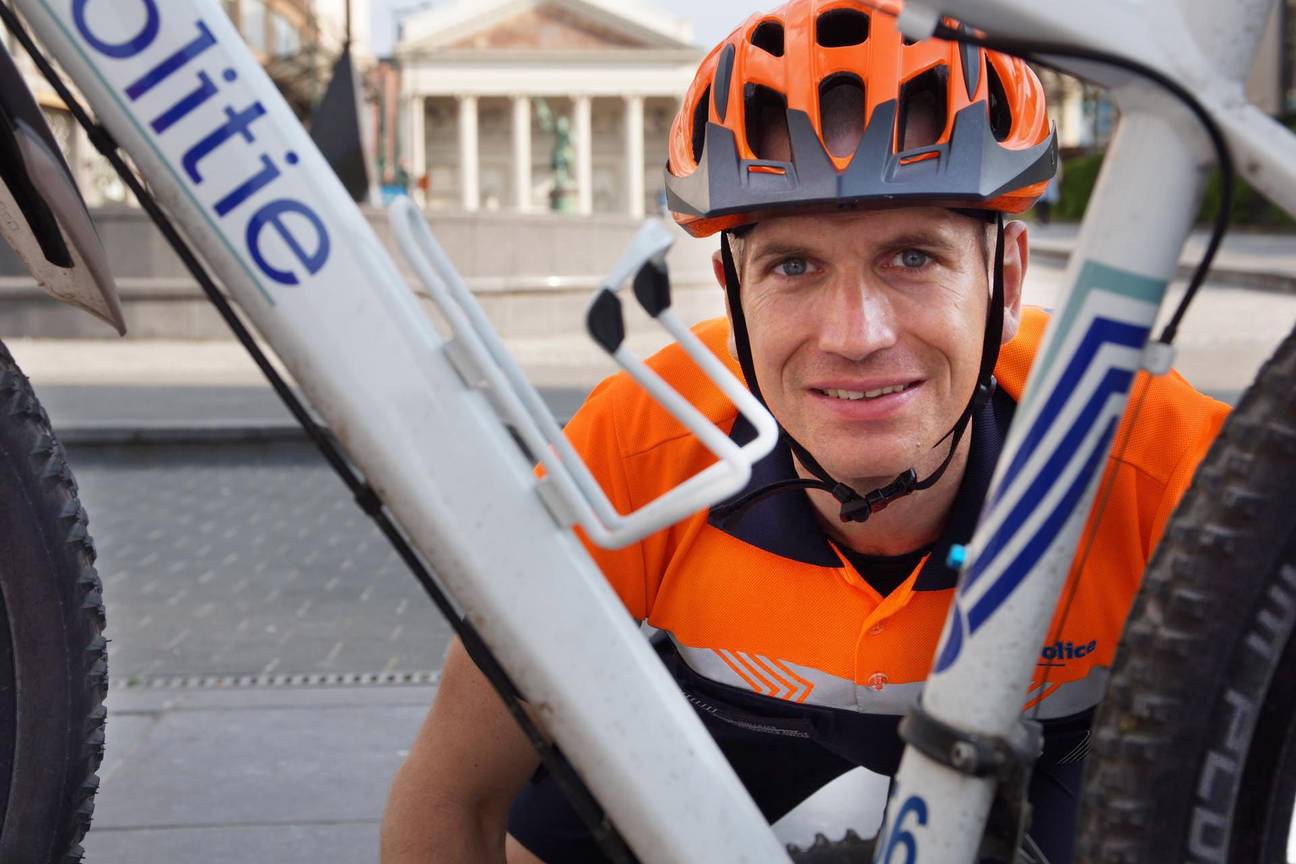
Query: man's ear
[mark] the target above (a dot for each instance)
(718, 268)
(1016, 259)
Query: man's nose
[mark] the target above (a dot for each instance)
(856, 319)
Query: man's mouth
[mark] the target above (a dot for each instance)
(856, 395)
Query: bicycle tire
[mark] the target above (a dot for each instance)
(1194, 748)
(53, 656)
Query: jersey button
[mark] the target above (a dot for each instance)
(876, 629)
(876, 681)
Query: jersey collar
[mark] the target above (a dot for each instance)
(786, 525)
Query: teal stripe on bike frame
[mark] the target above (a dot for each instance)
(1094, 277)
(112, 91)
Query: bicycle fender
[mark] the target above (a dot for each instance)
(42, 214)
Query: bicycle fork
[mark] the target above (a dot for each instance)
(968, 738)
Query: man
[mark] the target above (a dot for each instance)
(891, 344)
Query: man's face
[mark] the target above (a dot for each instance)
(866, 331)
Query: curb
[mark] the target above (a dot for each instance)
(278, 681)
(215, 434)
(112, 435)
(1228, 276)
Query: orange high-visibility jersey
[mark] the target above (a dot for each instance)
(778, 612)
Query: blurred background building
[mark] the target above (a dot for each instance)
(557, 105)
(543, 105)
(297, 42)
(515, 123)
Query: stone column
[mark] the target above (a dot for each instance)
(522, 152)
(416, 144)
(584, 134)
(469, 182)
(634, 155)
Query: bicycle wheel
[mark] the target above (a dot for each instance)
(1194, 749)
(53, 661)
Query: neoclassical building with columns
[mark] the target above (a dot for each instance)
(487, 85)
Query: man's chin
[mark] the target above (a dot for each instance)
(876, 478)
(872, 473)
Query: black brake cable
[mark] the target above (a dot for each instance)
(1030, 51)
(583, 802)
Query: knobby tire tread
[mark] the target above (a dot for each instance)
(1171, 721)
(54, 621)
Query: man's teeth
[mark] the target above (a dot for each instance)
(864, 394)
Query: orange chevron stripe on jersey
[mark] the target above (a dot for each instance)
(766, 676)
(801, 687)
(739, 670)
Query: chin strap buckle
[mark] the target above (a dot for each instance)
(858, 508)
(984, 390)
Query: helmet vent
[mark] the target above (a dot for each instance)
(923, 109)
(841, 112)
(1000, 112)
(767, 124)
(700, 116)
(768, 36)
(841, 28)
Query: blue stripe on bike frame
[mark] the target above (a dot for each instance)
(1115, 381)
(1101, 332)
(1034, 550)
(1094, 277)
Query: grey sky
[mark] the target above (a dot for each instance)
(712, 19)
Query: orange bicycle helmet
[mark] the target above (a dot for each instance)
(825, 103)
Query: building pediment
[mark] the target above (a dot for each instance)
(547, 27)
(562, 26)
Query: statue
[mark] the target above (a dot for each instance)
(562, 198)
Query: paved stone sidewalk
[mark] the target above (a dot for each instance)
(300, 776)
(293, 775)
(237, 560)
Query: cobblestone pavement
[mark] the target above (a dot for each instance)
(246, 560)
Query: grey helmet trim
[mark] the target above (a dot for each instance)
(971, 167)
(723, 78)
(970, 55)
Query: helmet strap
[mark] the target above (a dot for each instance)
(854, 506)
(737, 318)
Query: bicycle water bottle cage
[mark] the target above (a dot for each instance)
(42, 214)
(568, 487)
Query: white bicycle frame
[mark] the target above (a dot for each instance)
(422, 416)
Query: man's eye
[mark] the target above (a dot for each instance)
(792, 267)
(912, 259)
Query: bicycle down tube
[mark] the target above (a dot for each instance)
(176, 87)
(1140, 213)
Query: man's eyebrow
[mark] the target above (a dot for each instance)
(903, 239)
(919, 238)
(779, 249)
